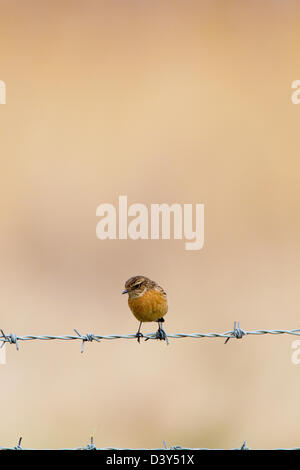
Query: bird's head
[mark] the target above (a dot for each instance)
(136, 286)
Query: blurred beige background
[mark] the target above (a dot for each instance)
(170, 101)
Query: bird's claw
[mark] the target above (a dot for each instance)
(139, 336)
(161, 335)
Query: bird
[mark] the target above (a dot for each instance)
(148, 302)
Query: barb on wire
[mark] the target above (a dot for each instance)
(171, 448)
(12, 339)
(18, 446)
(237, 333)
(87, 337)
(244, 446)
(91, 446)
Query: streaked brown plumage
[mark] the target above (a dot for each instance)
(147, 301)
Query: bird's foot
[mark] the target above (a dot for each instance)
(161, 334)
(139, 336)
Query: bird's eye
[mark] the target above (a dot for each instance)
(137, 285)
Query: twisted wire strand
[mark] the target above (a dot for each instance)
(237, 333)
(91, 446)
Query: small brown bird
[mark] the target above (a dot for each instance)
(148, 302)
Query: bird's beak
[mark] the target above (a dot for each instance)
(125, 291)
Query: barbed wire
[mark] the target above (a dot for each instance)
(237, 333)
(91, 446)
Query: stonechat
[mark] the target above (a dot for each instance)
(148, 302)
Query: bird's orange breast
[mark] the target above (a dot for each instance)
(149, 307)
